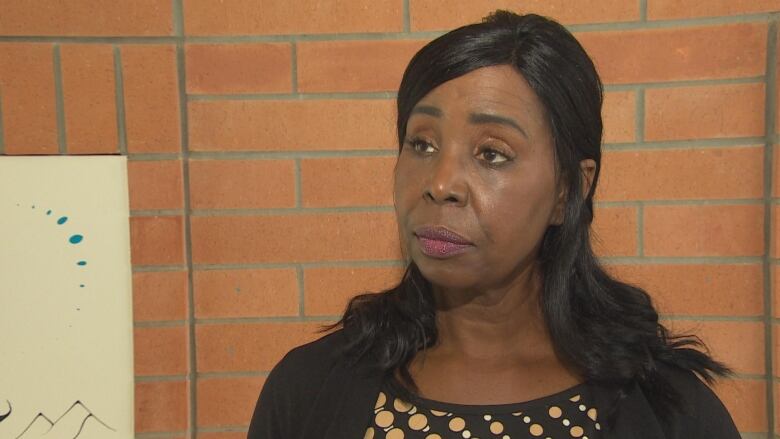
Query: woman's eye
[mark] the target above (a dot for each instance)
(492, 156)
(421, 146)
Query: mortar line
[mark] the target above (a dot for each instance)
(407, 17)
(59, 102)
(639, 136)
(298, 183)
(159, 435)
(294, 66)
(643, 10)
(324, 319)
(303, 265)
(120, 101)
(290, 96)
(2, 133)
(178, 20)
(770, 105)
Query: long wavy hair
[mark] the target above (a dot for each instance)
(606, 329)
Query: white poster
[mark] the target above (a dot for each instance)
(66, 347)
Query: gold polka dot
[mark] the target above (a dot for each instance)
(433, 436)
(438, 413)
(466, 434)
(555, 412)
(536, 430)
(369, 433)
(574, 398)
(496, 427)
(517, 413)
(380, 401)
(592, 414)
(418, 421)
(401, 406)
(384, 419)
(457, 424)
(395, 433)
(598, 426)
(576, 431)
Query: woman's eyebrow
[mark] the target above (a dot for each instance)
(427, 109)
(482, 118)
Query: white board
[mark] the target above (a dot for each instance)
(66, 347)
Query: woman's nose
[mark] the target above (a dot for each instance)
(448, 182)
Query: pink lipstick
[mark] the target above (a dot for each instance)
(440, 242)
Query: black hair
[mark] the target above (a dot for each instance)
(607, 329)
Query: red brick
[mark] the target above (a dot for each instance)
(674, 54)
(246, 293)
(678, 174)
(740, 345)
(292, 125)
(239, 68)
(227, 401)
(159, 295)
(89, 95)
(86, 18)
(705, 230)
(155, 184)
(711, 111)
(27, 84)
(244, 17)
(722, 290)
(160, 406)
(615, 231)
(353, 66)
(777, 99)
(444, 15)
(669, 9)
(359, 181)
(226, 184)
(249, 347)
(619, 115)
(746, 402)
(328, 289)
(160, 351)
(151, 94)
(157, 240)
(294, 238)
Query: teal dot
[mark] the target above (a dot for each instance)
(48, 212)
(81, 286)
(62, 220)
(75, 239)
(33, 206)
(81, 263)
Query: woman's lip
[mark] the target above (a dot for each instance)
(441, 233)
(441, 249)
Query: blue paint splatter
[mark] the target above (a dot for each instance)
(62, 220)
(82, 263)
(75, 239)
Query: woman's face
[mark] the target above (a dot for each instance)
(475, 182)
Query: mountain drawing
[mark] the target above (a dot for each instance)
(68, 426)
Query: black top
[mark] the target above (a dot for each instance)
(567, 414)
(314, 393)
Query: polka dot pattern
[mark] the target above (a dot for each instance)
(568, 414)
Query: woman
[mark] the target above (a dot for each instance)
(504, 324)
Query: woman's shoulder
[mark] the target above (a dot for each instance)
(312, 360)
(703, 413)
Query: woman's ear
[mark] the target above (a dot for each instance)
(587, 173)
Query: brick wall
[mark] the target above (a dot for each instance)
(260, 145)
